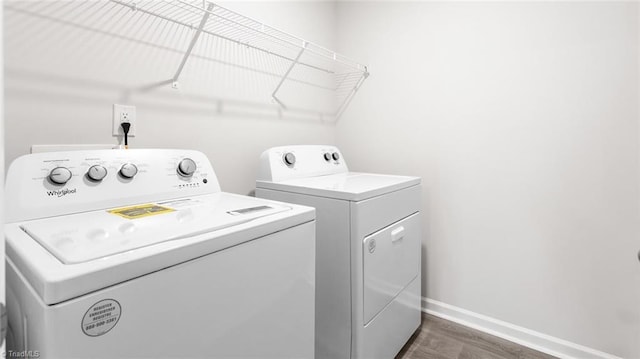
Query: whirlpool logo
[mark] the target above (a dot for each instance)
(61, 192)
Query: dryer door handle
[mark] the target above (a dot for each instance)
(397, 234)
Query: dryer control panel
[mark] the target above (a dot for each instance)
(289, 162)
(57, 183)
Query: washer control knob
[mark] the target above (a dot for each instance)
(60, 175)
(336, 156)
(187, 167)
(97, 173)
(128, 170)
(327, 156)
(289, 159)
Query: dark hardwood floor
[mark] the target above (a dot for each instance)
(441, 339)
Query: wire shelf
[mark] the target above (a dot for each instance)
(300, 74)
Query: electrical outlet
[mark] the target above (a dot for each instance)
(124, 113)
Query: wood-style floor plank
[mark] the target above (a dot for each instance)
(438, 338)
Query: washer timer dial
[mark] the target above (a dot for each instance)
(60, 175)
(187, 167)
(97, 173)
(128, 170)
(289, 159)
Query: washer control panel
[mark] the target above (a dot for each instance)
(57, 183)
(288, 162)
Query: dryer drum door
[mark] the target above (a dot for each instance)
(391, 262)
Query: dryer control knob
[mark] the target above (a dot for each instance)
(187, 167)
(289, 159)
(327, 156)
(336, 156)
(97, 173)
(60, 175)
(128, 170)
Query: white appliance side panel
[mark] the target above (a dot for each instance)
(22, 300)
(252, 300)
(333, 283)
(391, 261)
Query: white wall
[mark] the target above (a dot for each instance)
(63, 79)
(2, 268)
(522, 120)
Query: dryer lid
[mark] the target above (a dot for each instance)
(88, 236)
(350, 186)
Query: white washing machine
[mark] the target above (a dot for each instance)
(367, 248)
(138, 254)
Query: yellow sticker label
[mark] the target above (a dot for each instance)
(139, 211)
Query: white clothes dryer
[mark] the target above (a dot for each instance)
(138, 254)
(368, 245)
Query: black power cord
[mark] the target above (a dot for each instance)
(125, 128)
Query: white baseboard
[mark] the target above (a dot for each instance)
(541, 342)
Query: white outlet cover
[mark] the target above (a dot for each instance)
(118, 112)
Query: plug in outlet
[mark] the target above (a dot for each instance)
(124, 113)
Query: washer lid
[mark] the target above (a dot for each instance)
(351, 186)
(88, 236)
(196, 227)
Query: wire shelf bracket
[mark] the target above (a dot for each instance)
(193, 42)
(286, 74)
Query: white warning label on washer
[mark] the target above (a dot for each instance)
(101, 317)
